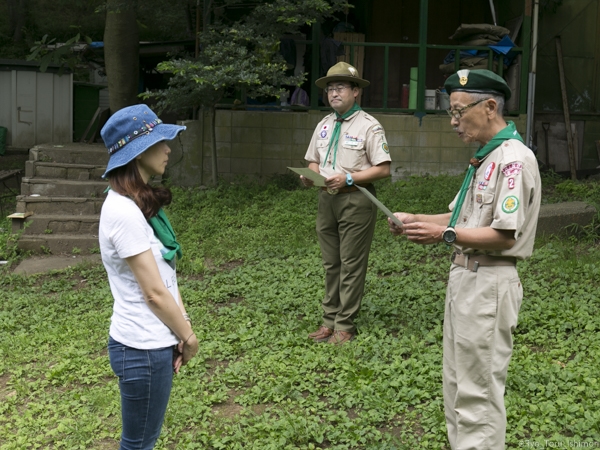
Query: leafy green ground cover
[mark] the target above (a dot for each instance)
(252, 280)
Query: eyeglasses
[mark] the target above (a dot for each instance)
(339, 89)
(457, 113)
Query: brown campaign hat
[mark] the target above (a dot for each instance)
(342, 71)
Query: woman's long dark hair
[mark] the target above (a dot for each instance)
(126, 180)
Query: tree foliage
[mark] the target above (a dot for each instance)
(243, 54)
(60, 54)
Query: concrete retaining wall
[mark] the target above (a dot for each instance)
(258, 144)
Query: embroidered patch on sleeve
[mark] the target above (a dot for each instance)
(512, 169)
(489, 170)
(511, 183)
(378, 129)
(385, 147)
(510, 204)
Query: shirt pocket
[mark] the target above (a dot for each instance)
(322, 146)
(353, 154)
(486, 209)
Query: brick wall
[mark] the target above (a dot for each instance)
(258, 144)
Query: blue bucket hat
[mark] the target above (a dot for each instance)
(131, 131)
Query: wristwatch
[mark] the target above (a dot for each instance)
(449, 235)
(349, 180)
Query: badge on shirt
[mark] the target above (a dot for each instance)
(489, 170)
(378, 129)
(323, 134)
(511, 183)
(352, 141)
(385, 147)
(479, 198)
(513, 168)
(482, 185)
(510, 204)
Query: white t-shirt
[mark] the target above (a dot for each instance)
(124, 232)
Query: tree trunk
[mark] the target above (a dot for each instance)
(213, 136)
(17, 13)
(121, 54)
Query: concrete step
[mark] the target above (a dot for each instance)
(564, 218)
(60, 205)
(68, 188)
(59, 224)
(79, 172)
(59, 244)
(74, 153)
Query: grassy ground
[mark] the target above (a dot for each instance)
(252, 279)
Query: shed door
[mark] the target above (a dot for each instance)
(24, 113)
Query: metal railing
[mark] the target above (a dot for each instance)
(422, 47)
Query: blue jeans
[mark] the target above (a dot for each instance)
(145, 379)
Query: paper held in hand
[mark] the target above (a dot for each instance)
(317, 178)
(380, 205)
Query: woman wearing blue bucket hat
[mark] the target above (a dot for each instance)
(150, 334)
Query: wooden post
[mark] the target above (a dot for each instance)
(563, 90)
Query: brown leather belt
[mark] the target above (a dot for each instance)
(473, 262)
(345, 189)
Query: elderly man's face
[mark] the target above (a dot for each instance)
(341, 96)
(473, 121)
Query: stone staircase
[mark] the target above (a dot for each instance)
(61, 197)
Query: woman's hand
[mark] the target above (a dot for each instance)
(184, 352)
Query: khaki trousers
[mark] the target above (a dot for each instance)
(345, 227)
(481, 313)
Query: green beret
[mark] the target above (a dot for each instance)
(478, 81)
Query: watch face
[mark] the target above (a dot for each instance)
(449, 235)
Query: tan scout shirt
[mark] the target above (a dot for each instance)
(505, 194)
(361, 145)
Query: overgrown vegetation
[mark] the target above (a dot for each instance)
(252, 279)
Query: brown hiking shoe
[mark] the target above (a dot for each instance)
(321, 335)
(340, 337)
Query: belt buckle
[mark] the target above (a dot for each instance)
(332, 191)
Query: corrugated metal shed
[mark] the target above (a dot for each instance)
(36, 107)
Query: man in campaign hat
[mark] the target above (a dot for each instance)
(348, 148)
(491, 226)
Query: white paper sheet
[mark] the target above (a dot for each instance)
(317, 178)
(380, 205)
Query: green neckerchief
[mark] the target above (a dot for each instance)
(509, 132)
(335, 136)
(165, 234)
